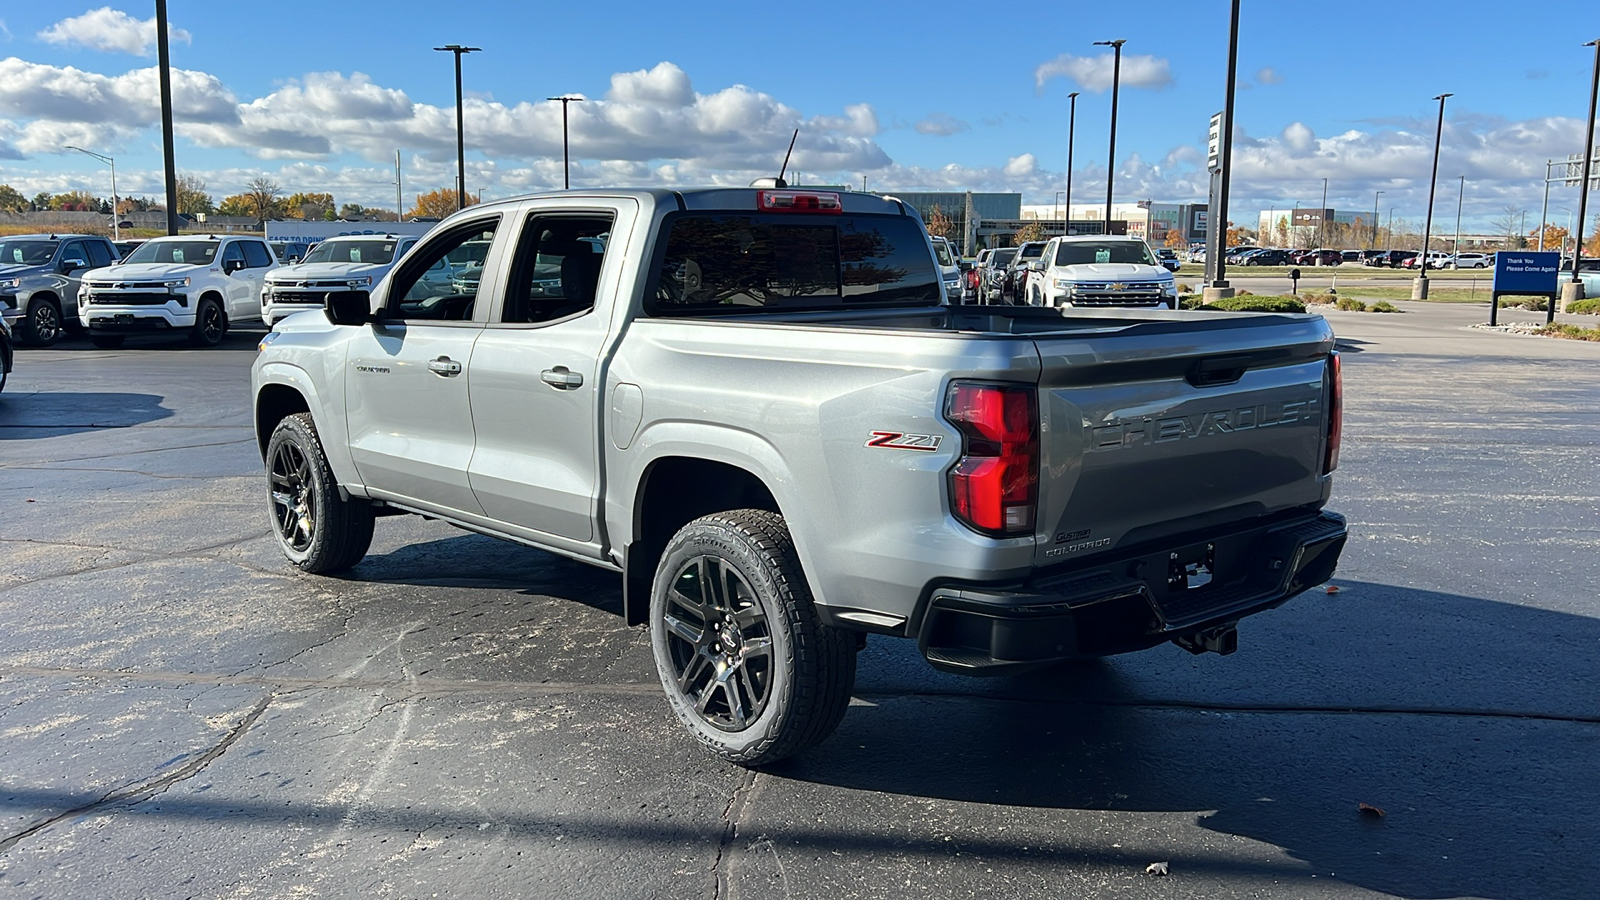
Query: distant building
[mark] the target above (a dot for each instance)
(1304, 226)
(1149, 219)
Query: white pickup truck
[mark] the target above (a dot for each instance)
(342, 263)
(194, 285)
(758, 408)
(1100, 271)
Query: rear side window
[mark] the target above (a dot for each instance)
(100, 254)
(735, 263)
(256, 254)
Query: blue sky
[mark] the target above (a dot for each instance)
(926, 95)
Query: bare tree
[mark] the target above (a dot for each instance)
(262, 194)
(1509, 223)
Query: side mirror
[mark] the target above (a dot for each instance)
(1036, 266)
(233, 265)
(73, 265)
(348, 307)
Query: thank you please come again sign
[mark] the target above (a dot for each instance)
(1526, 272)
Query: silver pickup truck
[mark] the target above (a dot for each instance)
(759, 408)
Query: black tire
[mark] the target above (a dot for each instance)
(787, 685)
(41, 327)
(317, 531)
(210, 324)
(107, 341)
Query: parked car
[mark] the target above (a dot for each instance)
(1168, 258)
(1268, 257)
(39, 279)
(1004, 492)
(1469, 261)
(126, 247)
(1350, 256)
(1373, 257)
(1234, 253)
(290, 251)
(1197, 253)
(7, 353)
(1094, 270)
(992, 277)
(195, 285)
(944, 253)
(1396, 259)
(351, 262)
(1015, 283)
(1322, 258)
(1436, 259)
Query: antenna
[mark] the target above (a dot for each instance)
(785, 168)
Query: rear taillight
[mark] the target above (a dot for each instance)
(994, 487)
(799, 201)
(1335, 414)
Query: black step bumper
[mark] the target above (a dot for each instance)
(1131, 601)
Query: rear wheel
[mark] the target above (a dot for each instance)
(42, 325)
(747, 665)
(317, 531)
(209, 324)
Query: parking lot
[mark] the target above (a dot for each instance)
(182, 714)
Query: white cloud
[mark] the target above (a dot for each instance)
(1269, 75)
(665, 85)
(942, 125)
(110, 30)
(30, 90)
(1021, 166)
(860, 120)
(1094, 73)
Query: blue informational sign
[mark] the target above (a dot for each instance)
(1526, 272)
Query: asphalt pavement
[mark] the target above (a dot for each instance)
(184, 715)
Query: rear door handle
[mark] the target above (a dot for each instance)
(445, 366)
(561, 378)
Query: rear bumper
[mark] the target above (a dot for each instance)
(1130, 602)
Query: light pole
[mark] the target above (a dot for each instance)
(1116, 81)
(1072, 129)
(116, 233)
(1419, 288)
(1322, 217)
(1375, 196)
(399, 192)
(1461, 196)
(1568, 211)
(1574, 290)
(566, 163)
(461, 147)
(164, 62)
(1058, 204)
(1544, 210)
(1219, 288)
(1390, 229)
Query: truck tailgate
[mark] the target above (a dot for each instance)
(1148, 432)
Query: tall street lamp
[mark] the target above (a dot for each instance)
(1375, 196)
(1219, 217)
(1322, 217)
(1574, 289)
(1116, 80)
(1072, 128)
(1058, 204)
(1461, 197)
(566, 159)
(461, 147)
(116, 233)
(1568, 211)
(164, 64)
(1419, 288)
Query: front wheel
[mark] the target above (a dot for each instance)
(42, 325)
(209, 325)
(747, 665)
(317, 531)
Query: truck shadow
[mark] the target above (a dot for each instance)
(1481, 756)
(40, 414)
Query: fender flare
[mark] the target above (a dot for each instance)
(337, 450)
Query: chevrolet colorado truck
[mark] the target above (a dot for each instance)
(758, 408)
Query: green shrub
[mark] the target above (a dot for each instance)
(1351, 304)
(1562, 330)
(1383, 306)
(1190, 301)
(1534, 303)
(1254, 303)
(1590, 307)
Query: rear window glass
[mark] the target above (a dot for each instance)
(1032, 251)
(733, 263)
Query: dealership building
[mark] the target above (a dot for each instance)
(1149, 219)
(1303, 224)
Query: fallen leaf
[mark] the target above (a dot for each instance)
(1333, 589)
(1367, 809)
(1156, 868)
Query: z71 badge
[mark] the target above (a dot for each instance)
(896, 440)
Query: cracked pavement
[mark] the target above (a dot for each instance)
(184, 715)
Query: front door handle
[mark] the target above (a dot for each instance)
(561, 378)
(445, 366)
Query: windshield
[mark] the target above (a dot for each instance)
(1032, 251)
(189, 253)
(1085, 252)
(1002, 257)
(26, 253)
(374, 252)
(941, 252)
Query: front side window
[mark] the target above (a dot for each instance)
(75, 250)
(731, 263)
(190, 253)
(100, 254)
(256, 254)
(441, 282)
(1075, 253)
(941, 252)
(556, 271)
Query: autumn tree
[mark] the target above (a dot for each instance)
(437, 204)
(1033, 231)
(1236, 235)
(1175, 239)
(939, 224)
(192, 196)
(261, 200)
(1555, 238)
(11, 199)
(308, 206)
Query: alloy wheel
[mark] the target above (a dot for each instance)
(719, 642)
(294, 512)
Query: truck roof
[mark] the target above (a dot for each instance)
(718, 198)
